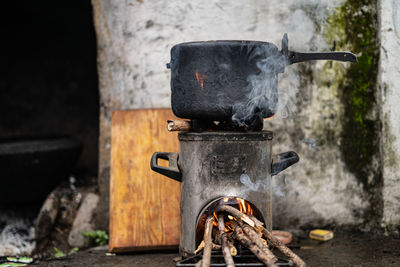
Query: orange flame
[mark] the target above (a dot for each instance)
(228, 224)
(269, 118)
(215, 222)
(200, 78)
(243, 207)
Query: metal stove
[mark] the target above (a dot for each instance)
(213, 166)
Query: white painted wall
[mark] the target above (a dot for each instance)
(389, 80)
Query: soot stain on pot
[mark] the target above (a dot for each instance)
(353, 26)
(256, 62)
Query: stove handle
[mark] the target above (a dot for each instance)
(283, 161)
(172, 171)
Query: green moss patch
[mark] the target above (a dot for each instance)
(353, 27)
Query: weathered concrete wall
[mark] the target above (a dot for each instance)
(342, 114)
(389, 79)
(326, 187)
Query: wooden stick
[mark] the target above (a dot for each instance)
(237, 214)
(224, 241)
(264, 242)
(178, 125)
(216, 236)
(201, 246)
(252, 246)
(207, 241)
(284, 249)
(254, 222)
(199, 263)
(256, 239)
(232, 248)
(259, 224)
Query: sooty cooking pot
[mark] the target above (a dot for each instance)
(232, 80)
(212, 165)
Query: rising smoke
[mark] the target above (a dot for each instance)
(298, 19)
(277, 185)
(263, 97)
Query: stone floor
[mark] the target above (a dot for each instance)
(356, 250)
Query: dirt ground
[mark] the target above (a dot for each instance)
(354, 250)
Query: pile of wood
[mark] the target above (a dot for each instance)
(244, 229)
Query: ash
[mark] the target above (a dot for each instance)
(17, 232)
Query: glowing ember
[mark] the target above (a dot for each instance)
(200, 78)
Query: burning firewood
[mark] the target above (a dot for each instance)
(216, 236)
(254, 222)
(207, 241)
(178, 125)
(237, 214)
(201, 246)
(284, 249)
(240, 235)
(264, 241)
(224, 241)
(259, 225)
(256, 239)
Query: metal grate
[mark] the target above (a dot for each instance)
(244, 258)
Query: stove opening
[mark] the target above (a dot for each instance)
(240, 204)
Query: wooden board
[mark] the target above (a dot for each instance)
(144, 205)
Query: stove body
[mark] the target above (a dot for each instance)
(214, 165)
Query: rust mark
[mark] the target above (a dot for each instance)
(200, 78)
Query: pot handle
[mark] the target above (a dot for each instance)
(172, 171)
(295, 57)
(283, 161)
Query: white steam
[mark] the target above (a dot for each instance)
(263, 95)
(277, 185)
(300, 25)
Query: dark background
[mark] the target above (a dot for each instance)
(48, 81)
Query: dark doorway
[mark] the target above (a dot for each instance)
(49, 77)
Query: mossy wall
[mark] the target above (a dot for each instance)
(354, 27)
(340, 171)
